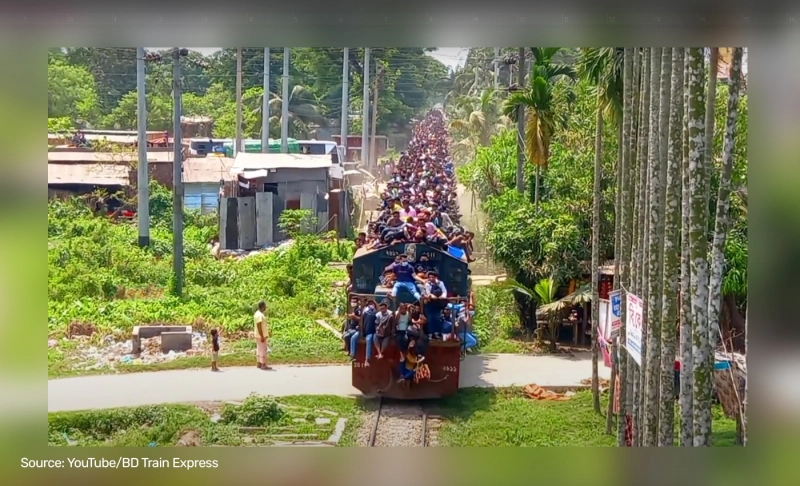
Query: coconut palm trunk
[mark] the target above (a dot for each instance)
(722, 221)
(598, 167)
(660, 65)
(701, 410)
(626, 215)
(687, 360)
(672, 251)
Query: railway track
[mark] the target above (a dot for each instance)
(399, 425)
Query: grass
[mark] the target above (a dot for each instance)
(505, 417)
(256, 421)
(473, 417)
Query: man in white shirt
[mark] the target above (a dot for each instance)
(261, 335)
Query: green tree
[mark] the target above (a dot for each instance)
(542, 116)
(71, 93)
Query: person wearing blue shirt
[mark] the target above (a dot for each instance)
(406, 277)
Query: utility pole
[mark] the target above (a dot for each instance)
(285, 103)
(177, 174)
(345, 97)
(521, 125)
(143, 185)
(496, 67)
(373, 158)
(238, 102)
(265, 106)
(365, 113)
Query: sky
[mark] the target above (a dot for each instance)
(449, 56)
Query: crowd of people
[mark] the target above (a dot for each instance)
(409, 327)
(419, 205)
(419, 202)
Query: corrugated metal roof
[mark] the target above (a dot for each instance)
(254, 161)
(207, 169)
(105, 157)
(91, 174)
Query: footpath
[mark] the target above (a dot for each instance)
(201, 385)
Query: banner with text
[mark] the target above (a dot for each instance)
(615, 312)
(633, 328)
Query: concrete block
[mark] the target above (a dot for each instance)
(176, 341)
(147, 332)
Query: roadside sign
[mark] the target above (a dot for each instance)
(615, 312)
(633, 328)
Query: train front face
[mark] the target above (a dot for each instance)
(436, 375)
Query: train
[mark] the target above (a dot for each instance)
(443, 357)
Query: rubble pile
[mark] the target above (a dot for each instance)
(88, 355)
(241, 254)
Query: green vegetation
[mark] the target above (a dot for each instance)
(472, 417)
(100, 278)
(479, 417)
(96, 87)
(257, 420)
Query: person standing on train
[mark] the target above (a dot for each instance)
(402, 320)
(367, 331)
(352, 323)
(404, 274)
(383, 329)
(436, 301)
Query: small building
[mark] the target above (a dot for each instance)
(65, 180)
(206, 181)
(269, 184)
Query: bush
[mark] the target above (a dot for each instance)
(97, 274)
(256, 411)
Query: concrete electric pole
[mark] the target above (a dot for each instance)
(177, 174)
(238, 141)
(285, 103)
(345, 97)
(143, 184)
(265, 106)
(521, 125)
(365, 113)
(373, 158)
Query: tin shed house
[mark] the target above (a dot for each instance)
(269, 184)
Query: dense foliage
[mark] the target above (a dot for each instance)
(98, 275)
(96, 87)
(556, 240)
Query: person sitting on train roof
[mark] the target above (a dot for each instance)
(404, 273)
(367, 331)
(361, 240)
(352, 323)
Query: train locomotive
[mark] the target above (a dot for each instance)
(442, 357)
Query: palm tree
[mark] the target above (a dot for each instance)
(672, 226)
(659, 125)
(537, 101)
(304, 111)
(722, 221)
(602, 67)
(687, 361)
(698, 243)
(478, 118)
